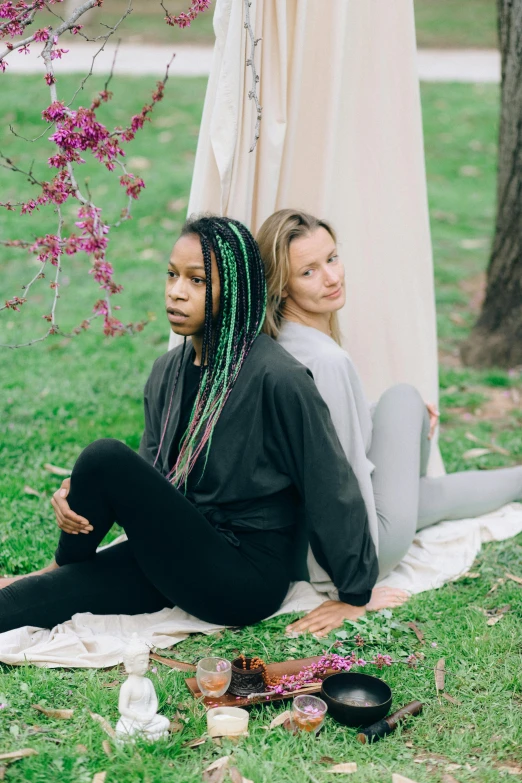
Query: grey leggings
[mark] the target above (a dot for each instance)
(406, 499)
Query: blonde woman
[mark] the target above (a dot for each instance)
(387, 446)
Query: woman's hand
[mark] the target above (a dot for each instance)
(434, 418)
(326, 617)
(386, 598)
(67, 520)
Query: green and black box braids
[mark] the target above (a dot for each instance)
(227, 339)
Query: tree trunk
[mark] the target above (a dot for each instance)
(496, 338)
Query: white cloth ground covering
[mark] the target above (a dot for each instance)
(438, 554)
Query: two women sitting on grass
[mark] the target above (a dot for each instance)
(240, 464)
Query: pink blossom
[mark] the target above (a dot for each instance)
(56, 111)
(15, 303)
(184, 19)
(42, 35)
(133, 186)
(382, 660)
(3, 65)
(56, 54)
(24, 49)
(49, 78)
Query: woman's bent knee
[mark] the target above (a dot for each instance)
(403, 391)
(101, 455)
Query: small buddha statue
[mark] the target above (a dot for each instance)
(138, 703)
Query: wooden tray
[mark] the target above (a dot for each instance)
(274, 670)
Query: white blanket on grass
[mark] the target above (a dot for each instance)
(438, 554)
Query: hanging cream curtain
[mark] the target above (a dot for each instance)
(341, 136)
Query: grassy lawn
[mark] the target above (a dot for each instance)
(439, 23)
(61, 394)
(456, 23)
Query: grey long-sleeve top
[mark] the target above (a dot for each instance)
(275, 460)
(341, 388)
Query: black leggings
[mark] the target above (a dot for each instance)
(173, 556)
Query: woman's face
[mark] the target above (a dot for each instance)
(186, 286)
(316, 282)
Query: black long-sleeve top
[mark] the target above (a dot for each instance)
(275, 460)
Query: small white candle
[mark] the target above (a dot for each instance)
(226, 721)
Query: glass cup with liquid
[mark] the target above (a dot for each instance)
(308, 713)
(213, 676)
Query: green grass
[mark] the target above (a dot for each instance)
(61, 394)
(439, 23)
(456, 23)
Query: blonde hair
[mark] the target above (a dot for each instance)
(274, 239)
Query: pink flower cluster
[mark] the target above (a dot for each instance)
(78, 131)
(185, 19)
(17, 16)
(133, 186)
(75, 132)
(15, 303)
(330, 662)
(138, 120)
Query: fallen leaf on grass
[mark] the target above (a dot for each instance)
(14, 755)
(51, 713)
(172, 664)
(494, 620)
(346, 768)
(194, 743)
(496, 586)
(417, 631)
(491, 446)
(510, 768)
(457, 319)
(31, 491)
(215, 772)
(408, 744)
(439, 675)
(235, 775)
(106, 747)
(475, 453)
(452, 699)
(57, 471)
(326, 760)
(140, 163)
(401, 779)
(471, 575)
(446, 778)
(82, 748)
(175, 726)
(112, 684)
(106, 726)
(280, 719)
(99, 777)
(454, 767)
(3, 770)
(517, 579)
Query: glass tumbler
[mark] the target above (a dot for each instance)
(213, 676)
(308, 713)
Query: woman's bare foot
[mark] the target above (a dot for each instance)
(8, 580)
(386, 598)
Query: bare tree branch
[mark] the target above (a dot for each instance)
(255, 77)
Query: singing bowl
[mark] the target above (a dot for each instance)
(339, 688)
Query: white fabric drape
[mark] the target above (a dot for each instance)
(341, 136)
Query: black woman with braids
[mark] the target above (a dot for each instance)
(238, 459)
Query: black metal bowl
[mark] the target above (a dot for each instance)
(356, 699)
